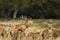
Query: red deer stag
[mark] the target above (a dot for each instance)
(22, 27)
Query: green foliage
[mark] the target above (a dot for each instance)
(33, 8)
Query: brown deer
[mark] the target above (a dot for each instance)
(2, 32)
(56, 33)
(22, 35)
(14, 34)
(22, 27)
(34, 35)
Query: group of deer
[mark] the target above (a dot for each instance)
(19, 30)
(14, 30)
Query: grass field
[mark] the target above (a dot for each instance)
(41, 23)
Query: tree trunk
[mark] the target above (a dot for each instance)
(14, 15)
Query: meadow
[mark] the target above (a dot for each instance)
(41, 23)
